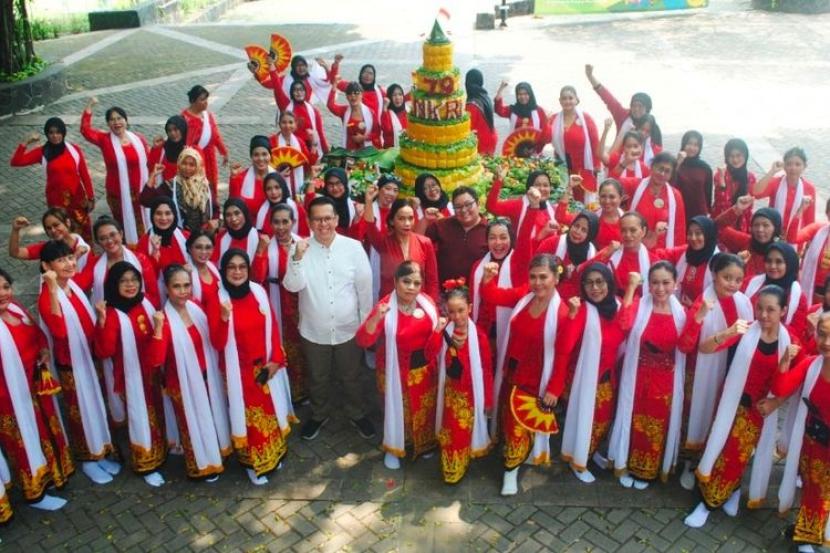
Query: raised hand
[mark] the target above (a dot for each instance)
(609, 122)
(225, 310)
(371, 193)
(574, 181)
(51, 280)
(382, 310)
(300, 249)
(19, 223)
(31, 139)
(635, 279)
(236, 168)
(491, 270)
(744, 202)
(155, 246)
(573, 306)
(158, 141)
(739, 328)
(441, 324)
(776, 167)
(705, 307)
(158, 320)
(262, 244)
(101, 312)
(534, 197)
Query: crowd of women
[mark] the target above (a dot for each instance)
(179, 329)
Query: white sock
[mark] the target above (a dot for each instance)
(687, 478)
(640, 484)
(154, 479)
(110, 466)
(585, 476)
(391, 462)
(732, 504)
(806, 548)
(697, 518)
(176, 449)
(212, 479)
(798, 482)
(510, 485)
(428, 455)
(256, 480)
(600, 460)
(95, 473)
(49, 503)
(626, 481)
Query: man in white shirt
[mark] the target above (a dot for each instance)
(332, 275)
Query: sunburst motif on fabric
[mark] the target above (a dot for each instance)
(530, 414)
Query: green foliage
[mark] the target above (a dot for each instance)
(43, 29)
(32, 68)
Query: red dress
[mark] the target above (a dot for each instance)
(169, 254)
(86, 278)
(157, 156)
(455, 436)
(814, 464)
(797, 236)
(108, 344)
(29, 341)
(352, 127)
(652, 396)
(512, 209)
(68, 184)
(487, 137)
(737, 241)
(629, 174)
(195, 127)
(648, 208)
(503, 110)
(574, 143)
(418, 347)
(307, 116)
(388, 128)
(235, 186)
(723, 199)
(809, 214)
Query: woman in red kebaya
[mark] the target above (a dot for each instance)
(764, 230)
(68, 185)
(465, 388)
(127, 326)
(247, 183)
(430, 201)
(692, 260)
(786, 192)
(269, 267)
(573, 249)
(525, 112)
(717, 309)
(590, 354)
(645, 439)
(745, 423)
(388, 187)
(660, 203)
(203, 132)
(276, 193)
(625, 119)
(405, 321)
(694, 176)
(165, 152)
(239, 231)
(243, 327)
(56, 224)
(626, 163)
(815, 266)
(630, 255)
(393, 120)
(34, 439)
(575, 142)
(399, 243)
(193, 380)
(373, 94)
(732, 181)
(535, 204)
(528, 363)
(610, 198)
(205, 288)
(309, 120)
(125, 157)
(361, 128)
(165, 242)
(69, 321)
(480, 107)
(808, 457)
(287, 138)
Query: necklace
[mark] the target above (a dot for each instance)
(406, 309)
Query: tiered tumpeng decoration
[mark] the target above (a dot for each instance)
(438, 137)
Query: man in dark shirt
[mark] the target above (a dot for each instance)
(460, 240)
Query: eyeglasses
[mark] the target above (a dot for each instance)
(598, 283)
(465, 205)
(128, 280)
(324, 219)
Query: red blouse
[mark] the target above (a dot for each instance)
(108, 343)
(102, 140)
(57, 325)
(64, 179)
(463, 356)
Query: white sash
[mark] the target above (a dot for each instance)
(683, 265)
(127, 212)
(396, 128)
(312, 123)
(251, 242)
(793, 294)
(298, 173)
(648, 151)
(374, 256)
(733, 388)
(638, 195)
(536, 123)
(196, 280)
(248, 183)
(579, 418)
(812, 256)
(643, 258)
(138, 421)
(523, 212)
(274, 273)
(562, 248)
(205, 417)
(620, 441)
(76, 156)
(710, 368)
(558, 135)
(780, 200)
(265, 211)
(368, 121)
(394, 434)
(20, 393)
(181, 243)
(541, 442)
(84, 257)
(480, 438)
(207, 131)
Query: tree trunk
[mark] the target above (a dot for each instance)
(16, 48)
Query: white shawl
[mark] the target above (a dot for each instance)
(368, 121)
(124, 188)
(812, 257)
(794, 294)
(780, 200)
(638, 195)
(558, 134)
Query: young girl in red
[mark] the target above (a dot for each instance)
(732, 181)
(393, 120)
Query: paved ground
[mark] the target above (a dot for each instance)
(726, 71)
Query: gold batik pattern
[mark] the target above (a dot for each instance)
(5, 508)
(812, 518)
(454, 464)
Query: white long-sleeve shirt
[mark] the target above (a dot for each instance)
(335, 289)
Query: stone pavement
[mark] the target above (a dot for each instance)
(726, 71)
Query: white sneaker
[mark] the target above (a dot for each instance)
(698, 517)
(510, 486)
(256, 480)
(585, 476)
(733, 503)
(49, 503)
(640, 484)
(391, 462)
(111, 467)
(154, 479)
(212, 479)
(626, 481)
(600, 460)
(687, 478)
(94, 472)
(806, 548)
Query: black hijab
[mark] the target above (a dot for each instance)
(392, 107)
(341, 204)
(694, 161)
(298, 85)
(274, 176)
(173, 149)
(696, 258)
(775, 218)
(166, 235)
(259, 141)
(578, 253)
(371, 86)
(607, 308)
(243, 231)
(791, 259)
(524, 110)
(51, 151)
(739, 175)
(295, 61)
(111, 294)
(644, 99)
(234, 291)
(420, 193)
(476, 94)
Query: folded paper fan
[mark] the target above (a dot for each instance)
(259, 57)
(531, 413)
(281, 49)
(522, 142)
(285, 155)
